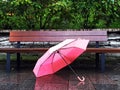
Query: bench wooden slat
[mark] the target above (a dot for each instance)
(57, 33)
(57, 38)
(103, 50)
(33, 36)
(29, 50)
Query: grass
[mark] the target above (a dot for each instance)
(26, 57)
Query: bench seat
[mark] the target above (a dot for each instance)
(30, 50)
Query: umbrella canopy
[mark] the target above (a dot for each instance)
(59, 56)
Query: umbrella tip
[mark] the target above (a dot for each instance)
(81, 80)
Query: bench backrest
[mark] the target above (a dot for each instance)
(54, 36)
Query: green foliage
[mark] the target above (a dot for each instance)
(59, 14)
(95, 14)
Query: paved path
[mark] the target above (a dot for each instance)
(62, 80)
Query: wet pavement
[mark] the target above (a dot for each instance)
(23, 80)
(62, 80)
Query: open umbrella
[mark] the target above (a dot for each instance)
(59, 56)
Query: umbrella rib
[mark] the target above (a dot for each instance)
(53, 58)
(47, 58)
(68, 64)
(83, 79)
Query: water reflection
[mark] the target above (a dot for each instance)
(57, 82)
(62, 80)
(27, 81)
(51, 82)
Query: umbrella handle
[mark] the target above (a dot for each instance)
(82, 80)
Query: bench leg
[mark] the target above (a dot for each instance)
(102, 62)
(97, 60)
(18, 61)
(8, 62)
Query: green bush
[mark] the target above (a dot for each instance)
(59, 14)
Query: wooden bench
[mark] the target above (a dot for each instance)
(56, 36)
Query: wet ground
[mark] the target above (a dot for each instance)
(63, 79)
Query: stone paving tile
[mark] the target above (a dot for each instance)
(25, 80)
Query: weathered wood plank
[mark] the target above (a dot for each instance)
(27, 36)
(30, 50)
(57, 33)
(55, 38)
(103, 50)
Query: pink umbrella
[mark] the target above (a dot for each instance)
(60, 56)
